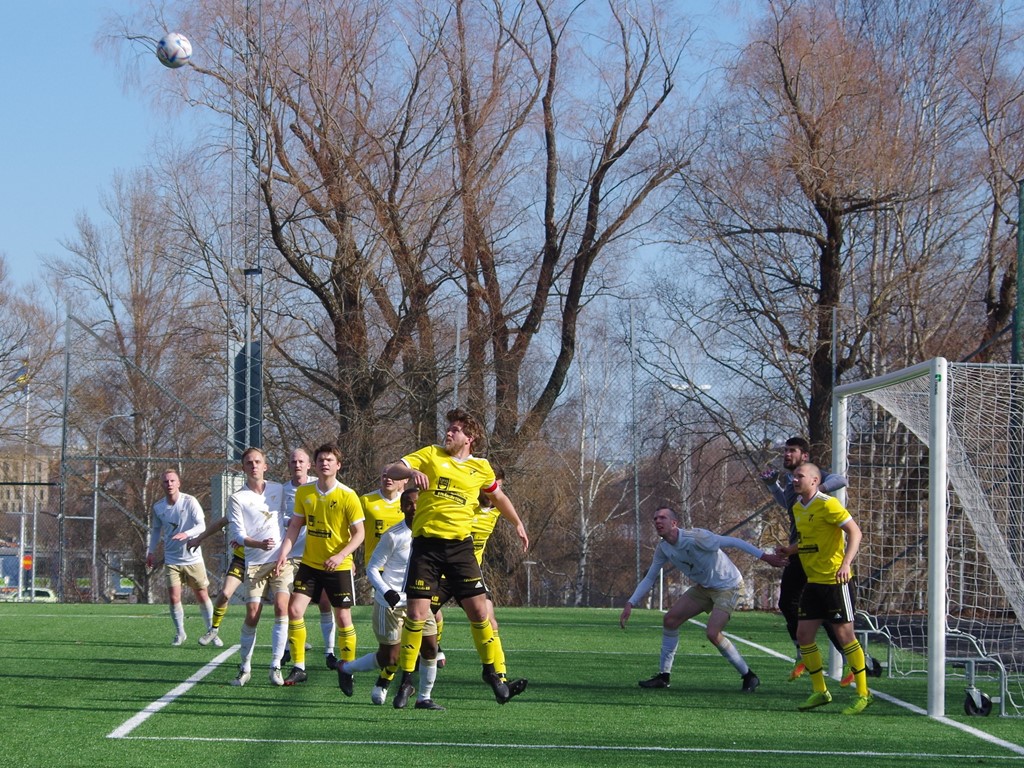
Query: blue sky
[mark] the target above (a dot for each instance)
(68, 124)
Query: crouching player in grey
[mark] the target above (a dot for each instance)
(698, 554)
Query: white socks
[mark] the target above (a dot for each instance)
(669, 643)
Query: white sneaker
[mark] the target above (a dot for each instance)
(179, 640)
(210, 637)
(217, 642)
(276, 678)
(378, 695)
(242, 678)
(309, 646)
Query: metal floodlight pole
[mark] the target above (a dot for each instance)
(634, 450)
(1018, 315)
(96, 499)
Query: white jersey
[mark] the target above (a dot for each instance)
(258, 516)
(698, 554)
(299, 547)
(390, 561)
(183, 516)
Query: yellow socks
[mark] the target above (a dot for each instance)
(483, 639)
(347, 643)
(855, 656)
(297, 639)
(412, 639)
(812, 660)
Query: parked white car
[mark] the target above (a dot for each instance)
(42, 595)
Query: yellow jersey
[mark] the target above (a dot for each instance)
(446, 506)
(329, 518)
(484, 521)
(380, 514)
(820, 540)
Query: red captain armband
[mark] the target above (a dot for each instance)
(493, 487)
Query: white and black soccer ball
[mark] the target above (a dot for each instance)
(174, 50)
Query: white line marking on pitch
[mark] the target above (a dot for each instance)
(131, 724)
(987, 737)
(136, 720)
(570, 747)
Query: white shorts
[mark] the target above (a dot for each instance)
(722, 599)
(260, 581)
(192, 575)
(387, 624)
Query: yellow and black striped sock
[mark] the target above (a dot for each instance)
(412, 640)
(855, 656)
(347, 643)
(483, 639)
(812, 660)
(297, 640)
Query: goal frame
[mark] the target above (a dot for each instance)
(935, 368)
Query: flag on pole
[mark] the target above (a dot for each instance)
(21, 377)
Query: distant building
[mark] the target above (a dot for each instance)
(19, 467)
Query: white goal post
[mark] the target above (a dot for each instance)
(934, 456)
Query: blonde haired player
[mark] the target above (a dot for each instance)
(256, 519)
(827, 557)
(298, 468)
(177, 518)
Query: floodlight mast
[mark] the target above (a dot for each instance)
(1018, 316)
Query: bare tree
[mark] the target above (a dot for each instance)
(989, 69)
(439, 165)
(142, 351)
(28, 347)
(835, 211)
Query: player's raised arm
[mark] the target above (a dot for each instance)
(508, 511)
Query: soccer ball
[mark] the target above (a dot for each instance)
(174, 50)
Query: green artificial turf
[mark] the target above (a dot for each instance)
(75, 675)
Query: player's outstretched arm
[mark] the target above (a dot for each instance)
(214, 526)
(508, 511)
(775, 560)
(402, 471)
(830, 483)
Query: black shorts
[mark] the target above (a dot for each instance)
(791, 585)
(442, 596)
(431, 559)
(339, 585)
(236, 568)
(830, 603)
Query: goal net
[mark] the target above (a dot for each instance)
(934, 456)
